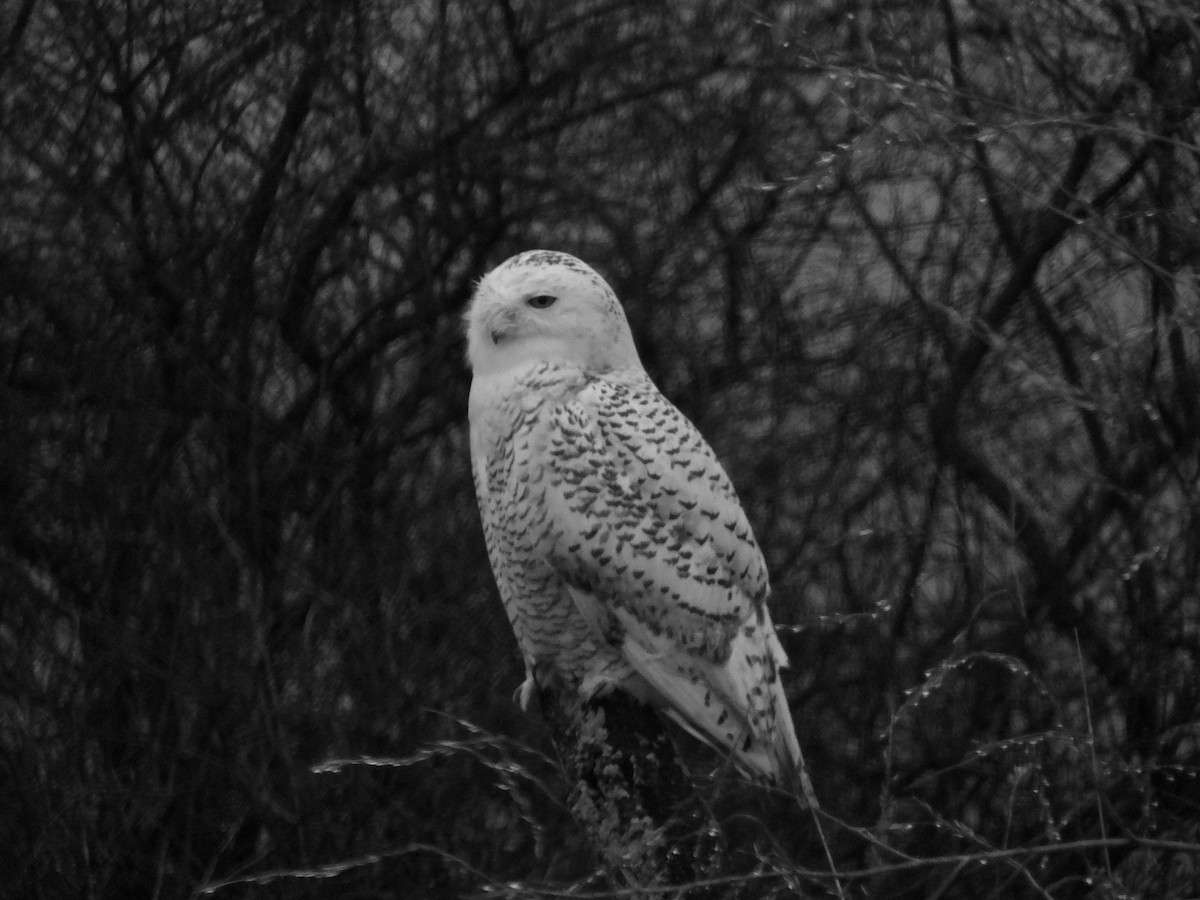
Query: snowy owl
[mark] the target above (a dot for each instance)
(622, 555)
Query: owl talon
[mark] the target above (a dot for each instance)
(525, 692)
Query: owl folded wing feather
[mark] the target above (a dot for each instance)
(644, 525)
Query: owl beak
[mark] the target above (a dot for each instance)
(501, 325)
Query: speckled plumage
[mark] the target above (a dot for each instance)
(622, 555)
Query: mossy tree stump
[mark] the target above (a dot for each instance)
(631, 793)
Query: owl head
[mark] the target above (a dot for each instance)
(544, 305)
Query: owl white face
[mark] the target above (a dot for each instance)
(542, 305)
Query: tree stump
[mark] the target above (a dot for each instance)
(631, 793)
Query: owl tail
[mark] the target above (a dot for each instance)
(738, 707)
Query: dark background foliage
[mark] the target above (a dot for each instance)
(924, 273)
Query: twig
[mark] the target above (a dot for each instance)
(1087, 711)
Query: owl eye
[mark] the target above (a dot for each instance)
(541, 301)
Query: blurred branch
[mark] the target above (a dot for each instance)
(12, 39)
(969, 122)
(241, 281)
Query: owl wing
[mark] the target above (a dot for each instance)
(644, 525)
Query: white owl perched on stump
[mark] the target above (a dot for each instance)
(622, 555)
